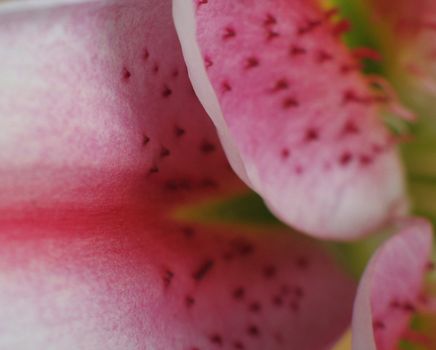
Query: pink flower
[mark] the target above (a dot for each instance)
(122, 226)
(105, 154)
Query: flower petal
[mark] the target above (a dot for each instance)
(102, 141)
(115, 280)
(95, 103)
(304, 124)
(391, 287)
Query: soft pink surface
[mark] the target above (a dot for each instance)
(101, 140)
(303, 121)
(95, 97)
(120, 280)
(390, 288)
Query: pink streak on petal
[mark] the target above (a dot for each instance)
(390, 287)
(304, 126)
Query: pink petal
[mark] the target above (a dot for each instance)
(390, 288)
(119, 280)
(102, 141)
(304, 125)
(95, 103)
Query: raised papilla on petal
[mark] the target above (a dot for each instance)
(298, 121)
(391, 288)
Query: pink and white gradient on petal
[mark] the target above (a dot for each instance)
(390, 291)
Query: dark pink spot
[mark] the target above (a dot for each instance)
(216, 339)
(239, 293)
(242, 247)
(254, 307)
(298, 292)
(229, 32)
(251, 62)
(297, 50)
(208, 62)
(309, 26)
(164, 152)
(298, 169)
(207, 147)
(145, 55)
(323, 56)
(208, 183)
(277, 300)
(238, 345)
(153, 170)
(188, 231)
(366, 53)
(226, 87)
(203, 270)
(189, 301)
(155, 68)
(167, 277)
(341, 27)
(166, 91)
(285, 153)
(347, 68)
(178, 184)
(395, 304)
(281, 84)
(253, 330)
(345, 158)
(269, 271)
(302, 263)
(408, 307)
(289, 102)
(145, 140)
(270, 20)
(311, 135)
(365, 159)
(126, 74)
(179, 132)
(350, 128)
(378, 325)
(271, 34)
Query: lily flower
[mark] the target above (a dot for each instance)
(107, 161)
(122, 223)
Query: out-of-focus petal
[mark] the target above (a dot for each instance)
(304, 124)
(391, 288)
(411, 28)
